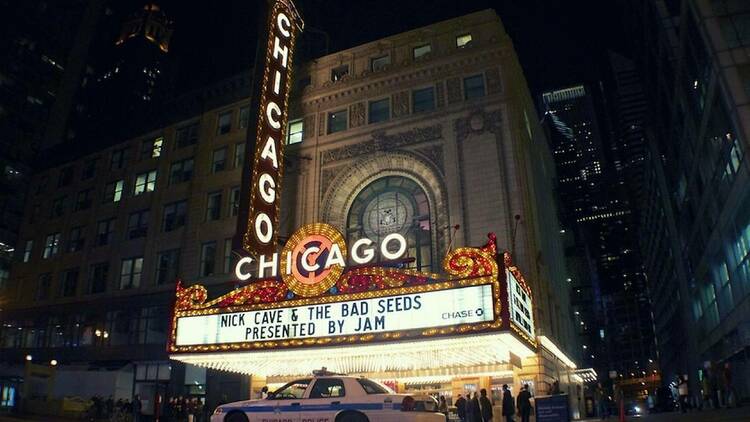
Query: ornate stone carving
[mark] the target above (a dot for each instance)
(400, 103)
(494, 82)
(477, 122)
(327, 175)
(434, 153)
(440, 94)
(308, 126)
(454, 90)
(357, 114)
(382, 142)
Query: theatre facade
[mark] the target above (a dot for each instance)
(417, 238)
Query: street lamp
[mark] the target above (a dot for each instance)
(53, 362)
(29, 358)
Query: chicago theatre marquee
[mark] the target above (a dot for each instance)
(398, 153)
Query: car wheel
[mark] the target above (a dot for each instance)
(351, 417)
(236, 417)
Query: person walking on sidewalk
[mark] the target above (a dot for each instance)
(461, 408)
(523, 403)
(682, 390)
(509, 407)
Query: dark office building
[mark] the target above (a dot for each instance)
(696, 219)
(609, 288)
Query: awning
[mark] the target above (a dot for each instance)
(488, 349)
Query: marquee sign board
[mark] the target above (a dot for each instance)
(261, 231)
(347, 305)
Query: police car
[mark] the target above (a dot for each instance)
(332, 398)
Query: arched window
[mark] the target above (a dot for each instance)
(389, 205)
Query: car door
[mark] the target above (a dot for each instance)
(327, 397)
(284, 404)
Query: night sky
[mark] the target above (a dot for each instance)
(559, 41)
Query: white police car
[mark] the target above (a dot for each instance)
(332, 398)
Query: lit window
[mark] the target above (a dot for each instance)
(145, 182)
(208, 258)
(463, 40)
(339, 72)
(423, 99)
(51, 245)
(337, 121)
(295, 132)
(224, 123)
(244, 117)
(421, 50)
(379, 111)
(213, 206)
(156, 147)
(219, 160)
(474, 87)
(113, 191)
(130, 273)
(27, 249)
(378, 63)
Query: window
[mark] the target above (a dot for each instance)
(98, 275)
(83, 200)
(27, 249)
(181, 171)
(117, 160)
(145, 182)
(339, 72)
(174, 216)
(423, 99)
(327, 387)
(167, 264)
(76, 240)
(463, 40)
(378, 63)
(105, 232)
(208, 258)
(65, 177)
(227, 256)
(474, 87)
(337, 121)
(293, 390)
(219, 160)
(151, 148)
(244, 117)
(379, 111)
(239, 155)
(234, 201)
(187, 136)
(130, 273)
(58, 207)
(89, 169)
(68, 283)
(371, 387)
(138, 224)
(51, 245)
(224, 123)
(43, 286)
(421, 50)
(213, 206)
(113, 191)
(295, 131)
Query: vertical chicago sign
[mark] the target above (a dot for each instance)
(284, 25)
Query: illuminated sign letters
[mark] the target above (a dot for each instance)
(284, 25)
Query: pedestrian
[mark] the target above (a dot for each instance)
(523, 403)
(443, 407)
(706, 390)
(727, 386)
(682, 390)
(168, 414)
(486, 405)
(461, 408)
(601, 401)
(179, 409)
(556, 387)
(137, 407)
(509, 407)
(476, 410)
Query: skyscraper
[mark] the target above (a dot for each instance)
(609, 290)
(696, 218)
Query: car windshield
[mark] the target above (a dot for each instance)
(293, 390)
